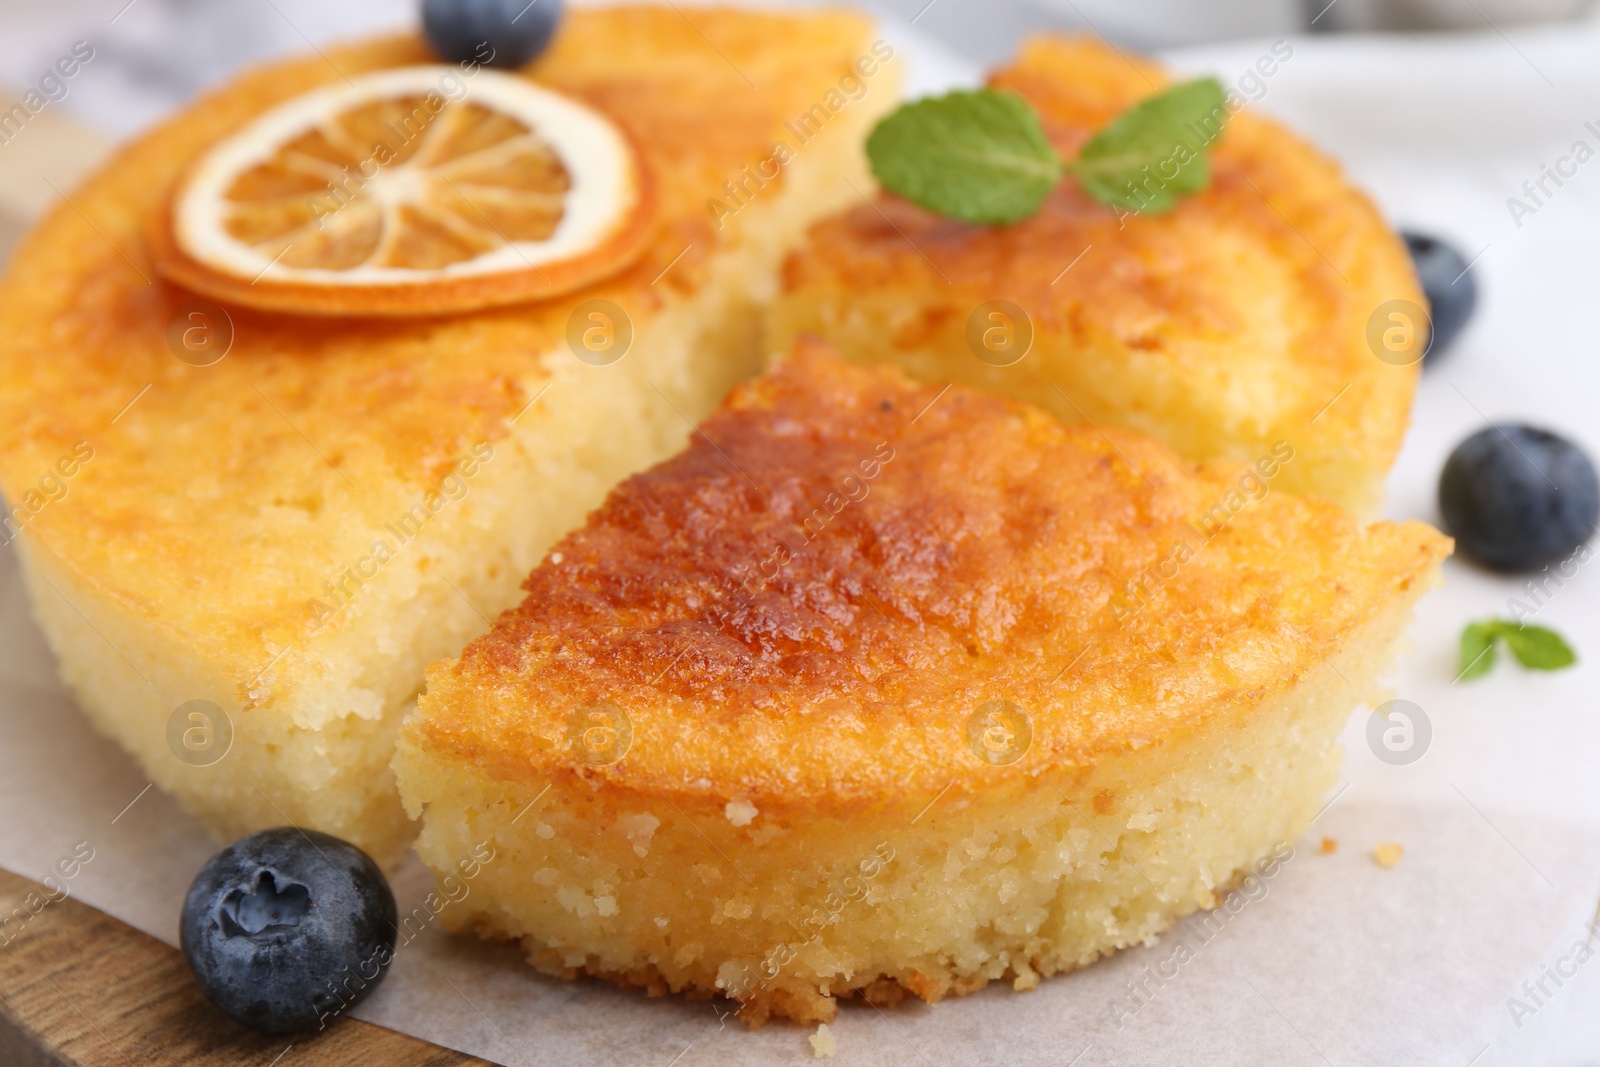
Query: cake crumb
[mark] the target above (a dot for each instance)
(639, 828)
(823, 1043)
(1388, 854)
(740, 812)
(1329, 846)
(1027, 979)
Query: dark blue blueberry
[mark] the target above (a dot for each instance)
(1452, 290)
(287, 929)
(1516, 498)
(496, 33)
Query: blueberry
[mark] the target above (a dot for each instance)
(1516, 498)
(496, 33)
(1452, 290)
(286, 929)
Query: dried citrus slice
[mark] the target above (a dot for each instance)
(385, 196)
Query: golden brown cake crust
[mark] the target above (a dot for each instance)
(961, 549)
(1242, 313)
(220, 501)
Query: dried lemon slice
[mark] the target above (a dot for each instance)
(384, 196)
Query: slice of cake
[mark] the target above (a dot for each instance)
(1249, 314)
(291, 534)
(881, 688)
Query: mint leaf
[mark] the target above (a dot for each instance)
(1156, 150)
(981, 155)
(1537, 648)
(1477, 651)
(978, 155)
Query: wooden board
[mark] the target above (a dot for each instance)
(81, 989)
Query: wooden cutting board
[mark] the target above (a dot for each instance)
(78, 987)
(81, 989)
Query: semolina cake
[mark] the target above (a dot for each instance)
(292, 533)
(880, 689)
(1242, 317)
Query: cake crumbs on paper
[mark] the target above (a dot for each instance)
(1388, 853)
(1329, 846)
(740, 812)
(823, 1043)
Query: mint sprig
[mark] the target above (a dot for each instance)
(1535, 647)
(981, 155)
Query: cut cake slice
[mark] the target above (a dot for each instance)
(881, 688)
